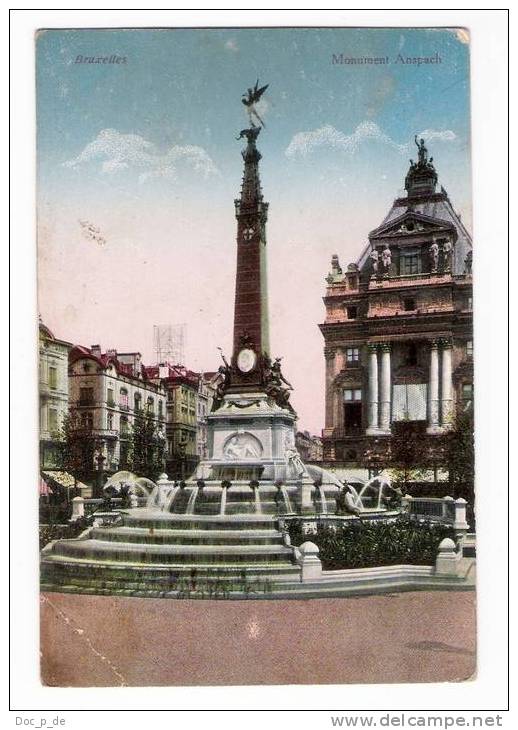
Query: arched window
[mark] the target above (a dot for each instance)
(150, 405)
(137, 398)
(160, 409)
(123, 399)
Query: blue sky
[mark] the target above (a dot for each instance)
(146, 151)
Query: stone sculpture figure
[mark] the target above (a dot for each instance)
(374, 259)
(346, 503)
(422, 151)
(250, 99)
(468, 262)
(446, 252)
(434, 255)
(275, 382)
(294, 465)
(386, 257)
(223, 382)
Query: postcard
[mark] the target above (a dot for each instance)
(255, 356)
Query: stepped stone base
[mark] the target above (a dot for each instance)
(152, 552)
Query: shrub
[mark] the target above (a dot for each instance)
(61, 532)
(363, 544)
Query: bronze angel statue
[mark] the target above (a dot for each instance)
(250, 100)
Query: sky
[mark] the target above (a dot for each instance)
(138, 168)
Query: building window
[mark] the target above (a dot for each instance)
(352, 312)
(110, 398)
(467, 396)
(352, 354)
(469, 348)
(352, 410)
(409, 304)
(53, 420)
(160, 409)
(123, 398)
(87, 420)
(150, 405)
(124, 426)
(109, 421)
(411, 264)
(53, 377)
(137, 400)
(86, 396)
(409, 402)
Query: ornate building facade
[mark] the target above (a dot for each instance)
(107, 391)
(398, 329)
(181, 387)
(53, 393)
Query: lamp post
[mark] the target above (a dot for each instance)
(99, 477)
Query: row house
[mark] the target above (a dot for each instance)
(107, 391)
(181, 387)
(398, 330)
(308, 446)
(53, 395)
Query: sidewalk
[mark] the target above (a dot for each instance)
(400, 637)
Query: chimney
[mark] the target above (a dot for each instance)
(95, 350)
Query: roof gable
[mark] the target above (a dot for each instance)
(412, 223)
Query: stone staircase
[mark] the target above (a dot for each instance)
(149, 552)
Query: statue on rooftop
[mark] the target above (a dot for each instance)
(422, 151)
(374, 256)
(386, 257)
(468, 262)
(447, 252)
(434, 255)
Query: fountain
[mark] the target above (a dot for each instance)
(225, 522)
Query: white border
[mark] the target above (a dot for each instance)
(488, 691)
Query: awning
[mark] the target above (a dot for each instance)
(44, 488)
(62, 480)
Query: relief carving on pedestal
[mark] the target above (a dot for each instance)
(242, 446)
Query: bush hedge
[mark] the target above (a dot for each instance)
(365, 544)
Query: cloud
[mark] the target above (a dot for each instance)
(328, 136)
(118, 152)
(231, 45)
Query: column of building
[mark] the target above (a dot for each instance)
(446, 384)
(373, 407)
(386, 383)
(380, 385)
(433, 389)
(440, 387)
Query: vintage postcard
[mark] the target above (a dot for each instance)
(255, 356)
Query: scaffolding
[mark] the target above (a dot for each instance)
(169, 344)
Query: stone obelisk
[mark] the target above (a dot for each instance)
(251, 337)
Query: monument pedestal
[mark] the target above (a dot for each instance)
(247, 439)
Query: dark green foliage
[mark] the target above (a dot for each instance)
(78, 447)
(459, 448)
(146, 448)
(60, 532)
(363, 544)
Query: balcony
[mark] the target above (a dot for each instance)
(123, 407)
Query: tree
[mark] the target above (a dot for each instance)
(146, 448)
(459, 449)
(407, 456)
(78, 446)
